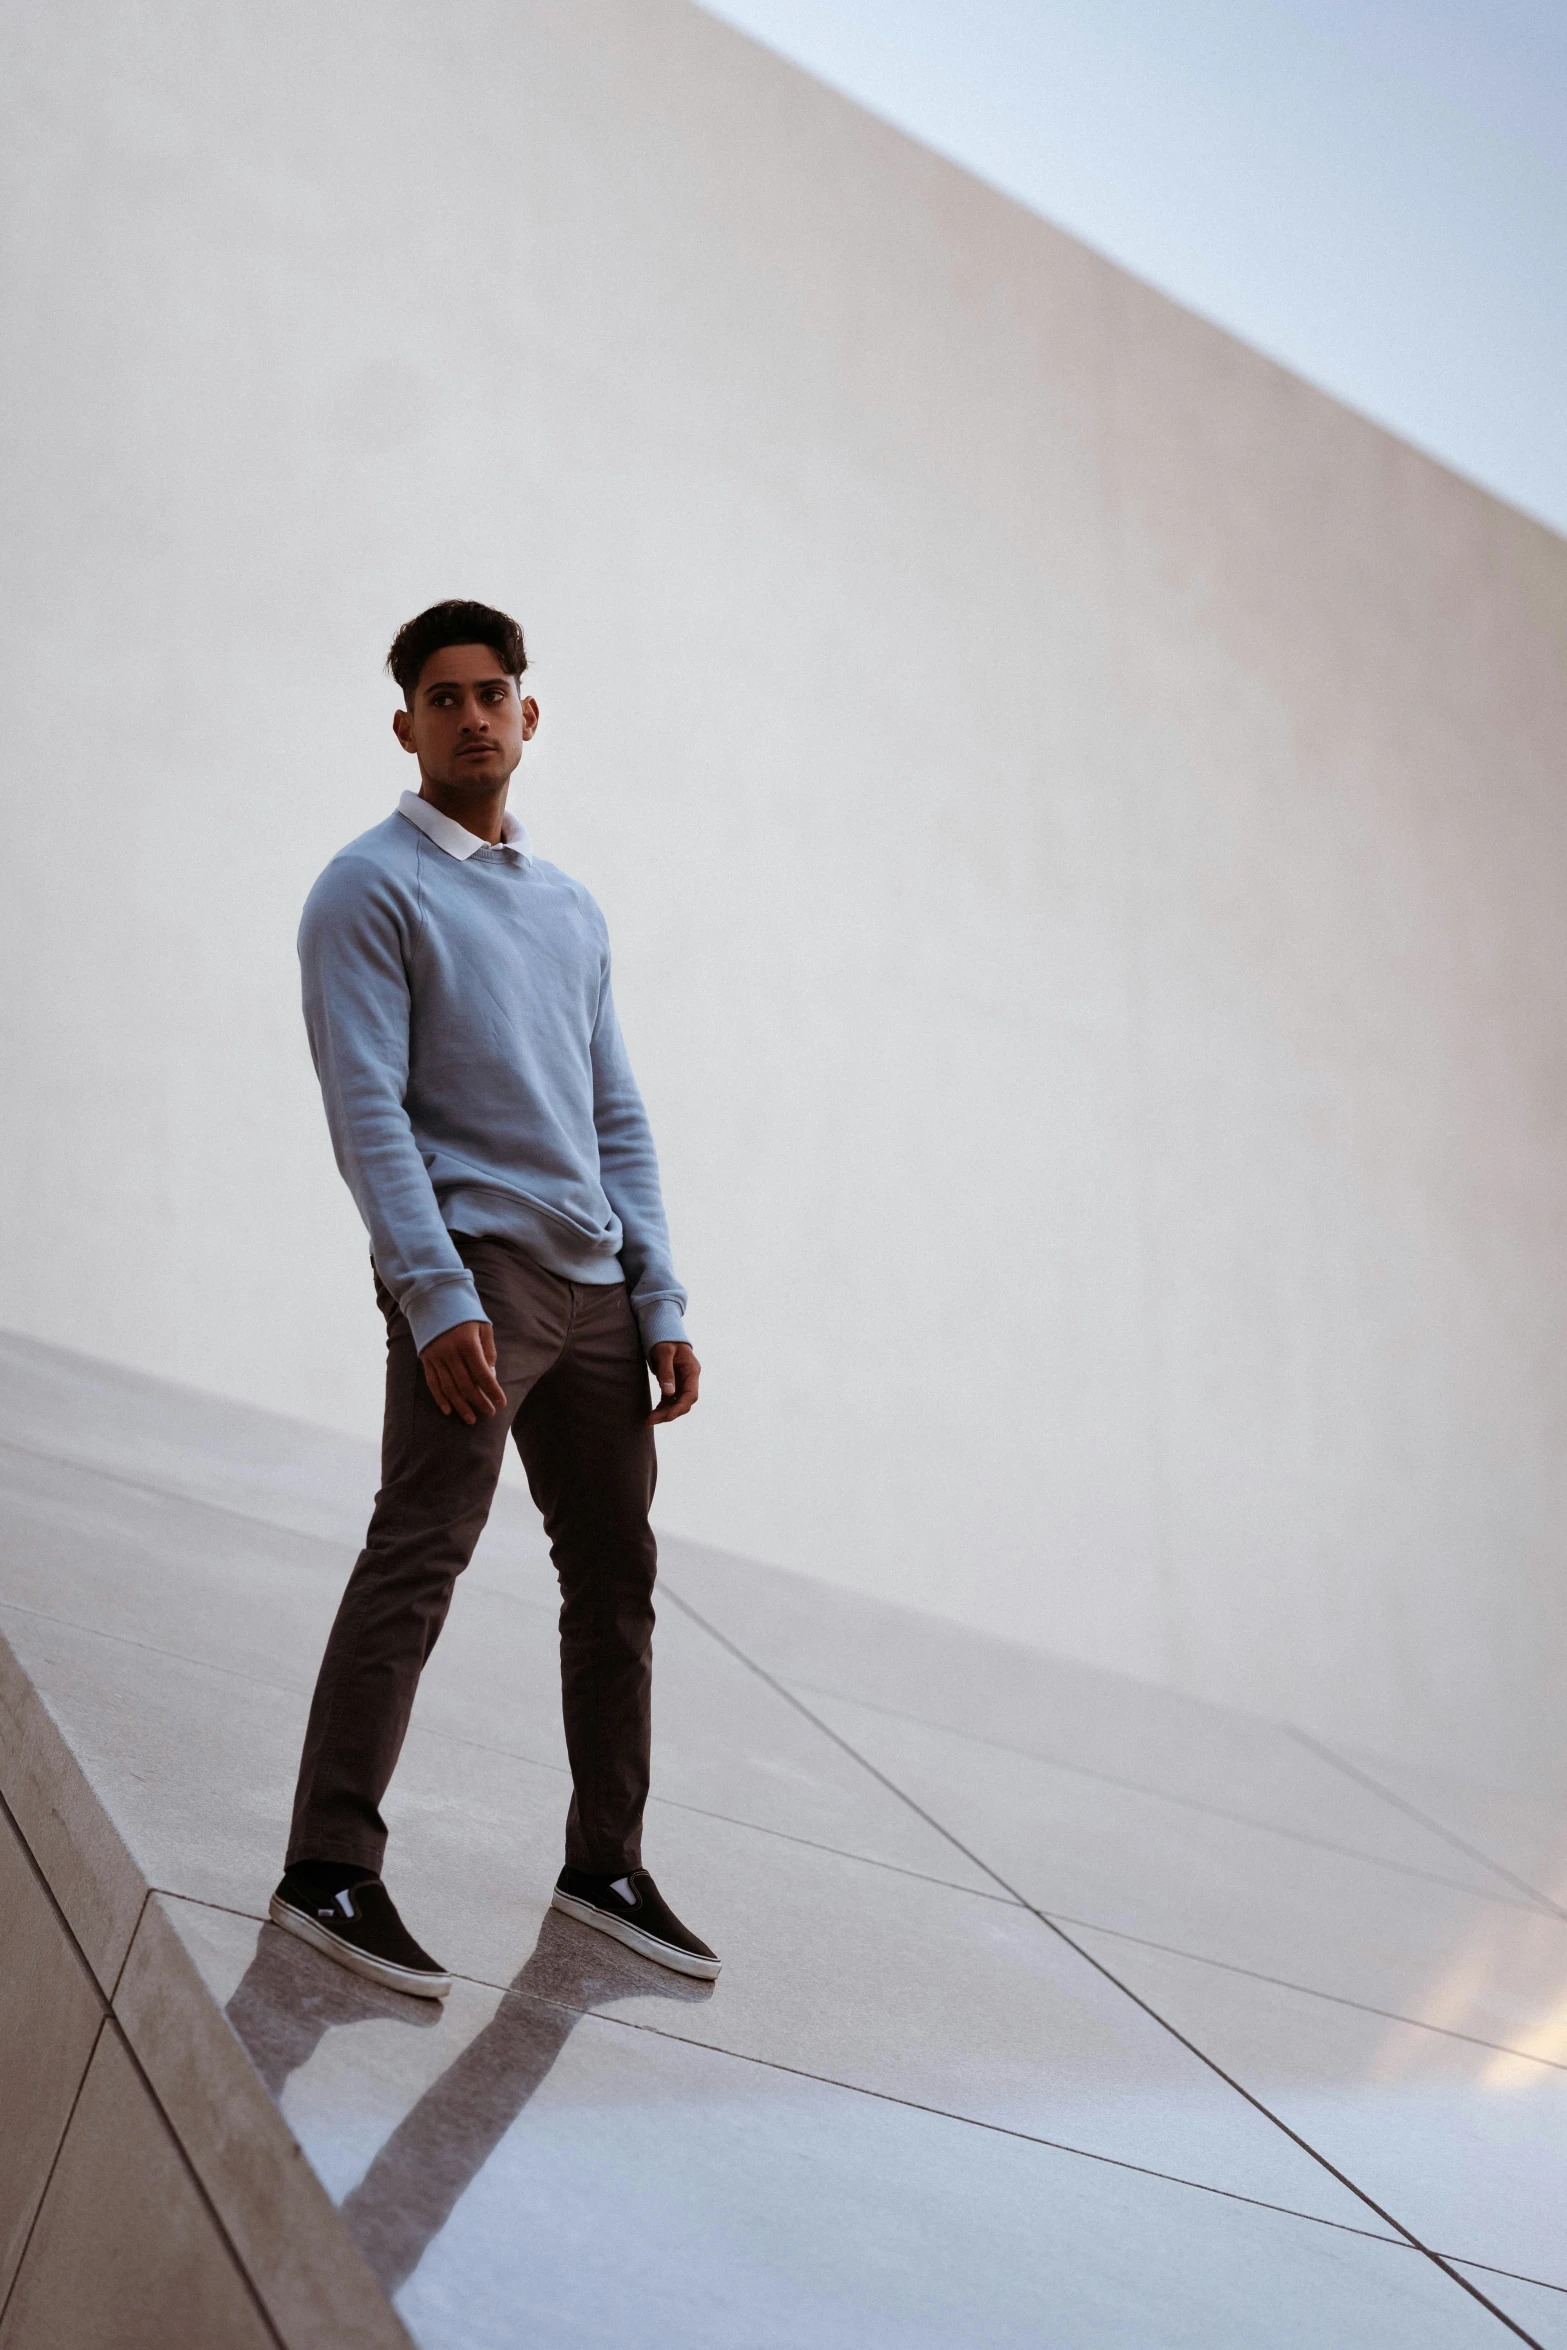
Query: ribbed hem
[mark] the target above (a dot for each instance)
(442, 1301)
(658, 1322)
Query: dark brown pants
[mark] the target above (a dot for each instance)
(571, 1363)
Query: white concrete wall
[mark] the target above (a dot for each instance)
(1081, 817)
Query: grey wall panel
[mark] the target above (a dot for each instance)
(124, 2255)
(50, 2012)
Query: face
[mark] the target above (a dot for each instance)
(467, 721)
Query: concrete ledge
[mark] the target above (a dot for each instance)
(311, 2277)
(151, 2191)
(51, 2013)
(79, 1851)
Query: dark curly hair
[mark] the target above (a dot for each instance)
(455, 622)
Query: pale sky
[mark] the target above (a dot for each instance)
(1373, 191)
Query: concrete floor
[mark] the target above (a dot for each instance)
(1056, 2009)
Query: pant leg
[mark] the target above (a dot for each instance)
(583, 1435)
(438, 1480)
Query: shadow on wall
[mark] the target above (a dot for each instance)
(289, 1999)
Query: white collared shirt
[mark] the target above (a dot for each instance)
(455, 838)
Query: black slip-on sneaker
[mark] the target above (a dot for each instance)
(361, 1929)
(632, 1910)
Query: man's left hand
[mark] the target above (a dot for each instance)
(679, 1375)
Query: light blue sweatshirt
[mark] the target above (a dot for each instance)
(458, 1005)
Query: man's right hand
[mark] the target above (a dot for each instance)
(459, 1370)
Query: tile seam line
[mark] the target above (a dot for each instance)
(177, 1656)
(54, 2164)
(103, 2016)
(1361, 2195)
(154, 1491)
(1514, 2275)
(1311, 2219)
(1399, 1803)
(103, 1997)
(1002, 1899)
(1531, 1899)
(1050, 1918)
(1229, 1966)
(914, 2104)
(157, 1492)
(969, 2121)
(532, 1762)
(867, 1860)
(160, 1492)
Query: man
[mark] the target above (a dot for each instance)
(486, 1120)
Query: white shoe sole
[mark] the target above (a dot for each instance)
(358, 1962)
(679, 1962)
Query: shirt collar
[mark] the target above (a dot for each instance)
(455, 838)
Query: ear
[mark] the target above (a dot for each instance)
(530, 718)
(402, 727)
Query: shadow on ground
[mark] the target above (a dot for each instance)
(290, 1998)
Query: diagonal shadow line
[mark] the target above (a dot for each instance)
(440, 2146)
(781, 1689)
(288, 2001)
(1412, 1811)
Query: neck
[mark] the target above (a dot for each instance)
(478, 812)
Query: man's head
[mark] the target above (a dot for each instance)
(464, 716)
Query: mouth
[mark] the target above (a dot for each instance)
(477, 751)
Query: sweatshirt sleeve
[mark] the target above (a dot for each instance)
(628, 1170)
(354, 944)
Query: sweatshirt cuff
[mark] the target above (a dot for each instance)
(660, 1321)
(439, 1303)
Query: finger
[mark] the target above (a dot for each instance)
(477, 1362)
(434, 1382)
(674, 1407)
(461, 1405)
(465, 1392)
(484, 1391)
